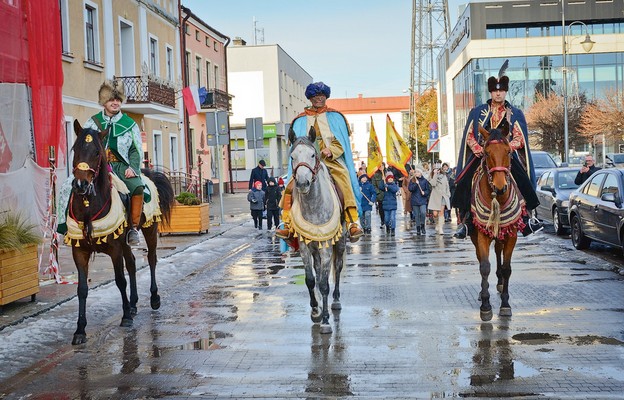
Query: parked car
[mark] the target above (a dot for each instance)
(596, 211)
(614, 160)
(553, 191)
(542, 161)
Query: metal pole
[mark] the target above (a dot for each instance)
(565, 84)
(218, 166)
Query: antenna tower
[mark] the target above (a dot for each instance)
(430, 30)
(258, 33)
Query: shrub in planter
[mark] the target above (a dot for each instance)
(188, 199)
(16, 233)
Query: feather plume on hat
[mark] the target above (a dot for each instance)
(111, 89)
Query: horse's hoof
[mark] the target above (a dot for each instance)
(326, 328)
(126, 322)
(505, 312)
(499, 288)
(155, 302)
(79, 338)
(316, 315)
(133, 311)
(336, 305)
(486, 315)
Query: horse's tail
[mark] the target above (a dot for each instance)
(494, 219)
(166, 196)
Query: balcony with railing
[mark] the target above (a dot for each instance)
(144, 95)
(216, 100)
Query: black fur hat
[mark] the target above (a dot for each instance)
(498, 84)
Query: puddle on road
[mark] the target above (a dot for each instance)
(199, 344)
(546, 338)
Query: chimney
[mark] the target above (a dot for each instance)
(238, 41)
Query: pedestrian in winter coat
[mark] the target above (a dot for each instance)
(369, 195)
(378, 184)
(271, 203)
(405, 193)
(390, 203)
(256, 203)
(440, 197)
(420, 190)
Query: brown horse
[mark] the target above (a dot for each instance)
(92, 199)
(497, 208)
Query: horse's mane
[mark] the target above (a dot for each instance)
(497, 135)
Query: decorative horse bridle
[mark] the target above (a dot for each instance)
(490, 171)
(317, 164)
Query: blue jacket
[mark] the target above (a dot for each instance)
(256, 199)
(390, 200)
(368, 194)
(417, 198)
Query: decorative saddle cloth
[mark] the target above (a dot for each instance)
(114, 222)
(327, 233)
(509, 222)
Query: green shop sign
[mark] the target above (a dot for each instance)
(269, 131)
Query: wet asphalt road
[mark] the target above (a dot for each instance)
(234, 323)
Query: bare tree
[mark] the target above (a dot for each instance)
(545, 121)
(605, 117)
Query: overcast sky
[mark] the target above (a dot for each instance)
(354, 46)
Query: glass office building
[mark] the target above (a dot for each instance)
(529, 35)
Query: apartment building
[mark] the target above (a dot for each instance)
(205, 66)
(137, 41)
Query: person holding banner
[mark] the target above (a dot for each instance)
(332, 139)
(496, 113)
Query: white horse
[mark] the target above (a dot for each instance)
(319, 225)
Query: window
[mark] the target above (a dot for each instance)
(208, 68)
(173, 157)
(187, 60)
(215, 45)
(542, 179)
(169, 63)
(198, 70)
(157, 159)
(593, 187)
(197, 35)
(153, 55)
(610, 186)
(217, 78)
(91, 34)
(64, 26)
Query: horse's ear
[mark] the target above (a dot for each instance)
(77, 127)
(484, 133)
(312, 134)
(291, 135)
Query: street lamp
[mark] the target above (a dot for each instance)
(412, 121)
(587, 44)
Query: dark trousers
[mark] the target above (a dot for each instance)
(381, 212)
(273, 218)
(461, 197)
(257, 218)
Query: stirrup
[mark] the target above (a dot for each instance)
(132, 237)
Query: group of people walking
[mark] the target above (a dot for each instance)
(425, 192)
(264, 197)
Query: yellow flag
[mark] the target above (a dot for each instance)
(397, 151)
(375, 158)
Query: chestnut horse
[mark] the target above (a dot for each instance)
(92, 199)
(497, 208)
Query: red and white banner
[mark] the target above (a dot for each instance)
(190, 95)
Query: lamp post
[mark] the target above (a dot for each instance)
(412, 122)
(587, 44)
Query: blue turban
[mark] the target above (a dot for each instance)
(317, 88)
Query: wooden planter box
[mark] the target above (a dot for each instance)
(19, 274)
(188, 219)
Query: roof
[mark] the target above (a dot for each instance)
(367, 105)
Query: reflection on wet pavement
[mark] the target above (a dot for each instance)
(409, 328)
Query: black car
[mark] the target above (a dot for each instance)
(596, 211)
(542, 161)
(553, 191)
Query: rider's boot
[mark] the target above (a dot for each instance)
(462, 228)
(531, 224)
(136, 209)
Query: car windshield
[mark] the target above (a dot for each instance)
(566, 180)
(543, 160)
(618, 158)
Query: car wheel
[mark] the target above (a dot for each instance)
(559, 230)
(579, 240)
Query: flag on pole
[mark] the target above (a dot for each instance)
(190, 94)
(397, 150)
(375, 158)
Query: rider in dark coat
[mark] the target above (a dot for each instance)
(496, 113)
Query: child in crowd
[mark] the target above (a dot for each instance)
(390, 189)
(368, 200)
(421, 189)
(271, 202)
(256, 203)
